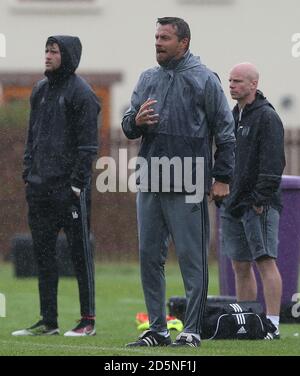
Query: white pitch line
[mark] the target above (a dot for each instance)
(76, 347)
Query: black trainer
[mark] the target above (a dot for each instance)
(186, 339)
(275, 335)
(149, 338)
(38, 329)
(273, 332)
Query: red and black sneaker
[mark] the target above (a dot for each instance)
(85, 327)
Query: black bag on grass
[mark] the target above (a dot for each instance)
(243, 320)
(228, 319)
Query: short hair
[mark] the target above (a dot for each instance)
(182, 28)
(51, 41)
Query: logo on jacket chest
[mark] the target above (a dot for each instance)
(243, 130)
(61, 100)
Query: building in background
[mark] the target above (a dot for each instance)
(118, 39)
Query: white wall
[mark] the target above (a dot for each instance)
(120, 37)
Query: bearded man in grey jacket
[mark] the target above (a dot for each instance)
(178, 108)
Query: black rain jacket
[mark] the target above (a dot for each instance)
(260, 158)
(62, 135)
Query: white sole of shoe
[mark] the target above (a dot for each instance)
(21, 333)
(74, 334)
(25, 332)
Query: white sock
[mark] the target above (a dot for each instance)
(275, 320)
(165, 333)
(194, 335)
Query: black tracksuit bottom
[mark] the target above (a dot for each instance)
(51, 210)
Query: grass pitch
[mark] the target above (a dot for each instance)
(119, 298)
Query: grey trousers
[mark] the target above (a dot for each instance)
(162, 216)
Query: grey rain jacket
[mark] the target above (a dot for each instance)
(192, 111)
(62, 135)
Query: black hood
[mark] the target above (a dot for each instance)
(260, 100)
(70, 50)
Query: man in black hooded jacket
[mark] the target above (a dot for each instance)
(61, 145)
(250, 216)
